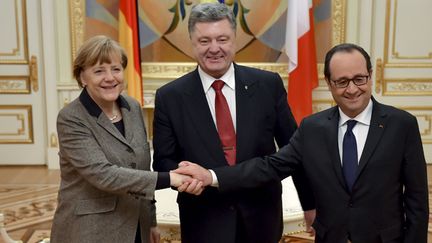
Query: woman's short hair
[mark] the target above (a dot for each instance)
(98, 49)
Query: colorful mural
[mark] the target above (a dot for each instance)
(164, 36)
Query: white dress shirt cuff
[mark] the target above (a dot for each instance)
(215, 182)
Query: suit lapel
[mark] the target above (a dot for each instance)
(332, 143)
(376, 130)
(196, 103)
(106, 124)
(129, 122)
(245, 89)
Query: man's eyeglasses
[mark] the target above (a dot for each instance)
(357, 80)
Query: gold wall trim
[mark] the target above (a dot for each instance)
(53, 140)
(21, 120)
(395, 54)
(18, 49)
(408, 65)
(338, 24)
(407, 87)
(156, 70)
(426, 115)
(14, 85)
(379, 75)
(173, 70)
(77, 13)
(33, 70)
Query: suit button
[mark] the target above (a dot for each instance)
(231, 207)
(129, 150)
(133, 165)
(350, 204)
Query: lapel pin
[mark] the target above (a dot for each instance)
(381, 126)
(246, 87)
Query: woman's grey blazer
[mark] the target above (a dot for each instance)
(106, 185)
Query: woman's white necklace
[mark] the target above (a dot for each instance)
(113, 117)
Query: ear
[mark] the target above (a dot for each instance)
(83, 81)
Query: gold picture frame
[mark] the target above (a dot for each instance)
(161, 70)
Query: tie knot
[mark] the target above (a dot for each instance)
(351, 124)
(218, 85)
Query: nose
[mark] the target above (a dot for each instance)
(351, 88)
(109, 75)
(214, 46)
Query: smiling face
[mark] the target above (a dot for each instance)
(214, 46)
(104, 81)
(347, 65)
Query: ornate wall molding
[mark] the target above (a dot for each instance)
(395, 59)
(424, 118)
(14, 85)
(19, 53)
(77, 21)
(407, 87)
(338, 24)
(395, 53)
(17, 124)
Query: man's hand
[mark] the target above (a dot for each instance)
(194, 187)
(177, 179)
(195, 171)
(309, 217)
(201, 177)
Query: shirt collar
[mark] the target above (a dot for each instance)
(364, 117)
(93, 109)
(208, 80)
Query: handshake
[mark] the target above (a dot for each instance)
(190, 177)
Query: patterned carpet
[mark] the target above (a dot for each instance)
(28, 210)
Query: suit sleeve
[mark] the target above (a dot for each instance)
(416, 188)
(285, 127)
(258, 171)
(164, 141)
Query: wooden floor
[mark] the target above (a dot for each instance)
(28, 192)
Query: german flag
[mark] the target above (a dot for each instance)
(129, 40)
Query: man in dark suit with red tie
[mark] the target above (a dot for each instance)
(218, 115)
(364, 162)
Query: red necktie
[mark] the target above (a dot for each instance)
(224, 123)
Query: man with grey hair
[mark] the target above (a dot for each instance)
(221, 114)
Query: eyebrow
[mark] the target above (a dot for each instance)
(357, 75)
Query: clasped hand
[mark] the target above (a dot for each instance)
(190, 177)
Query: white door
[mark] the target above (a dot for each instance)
(401, 44)
(22, 106)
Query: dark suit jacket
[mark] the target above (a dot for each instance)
(184, 130)
(106, 185)
(389, 200)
